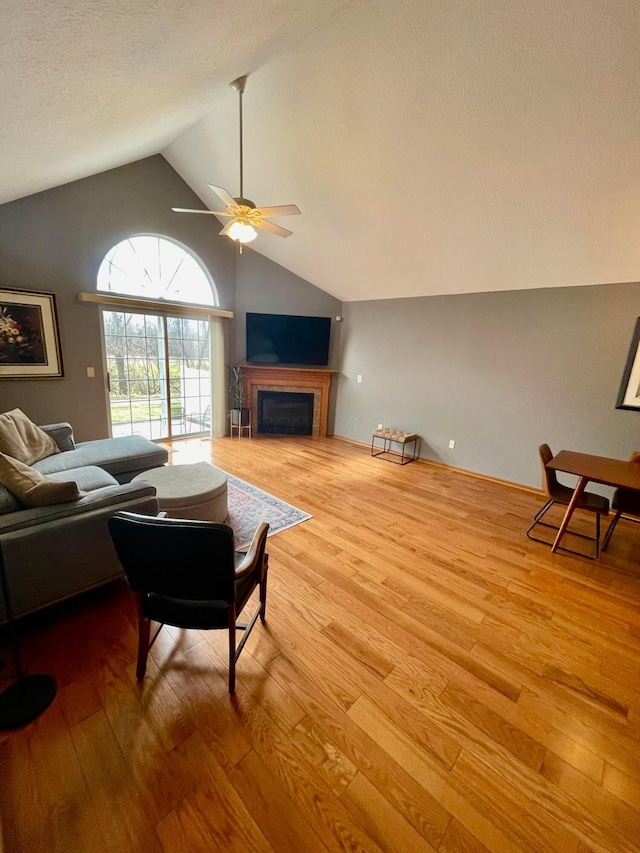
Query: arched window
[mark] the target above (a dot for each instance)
(164, 361)
(153, 267)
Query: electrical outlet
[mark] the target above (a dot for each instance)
(379, 426)
(452, 444)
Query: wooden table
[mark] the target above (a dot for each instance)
(599, 469)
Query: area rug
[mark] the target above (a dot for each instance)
(249, 506)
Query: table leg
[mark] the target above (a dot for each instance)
(579, 489)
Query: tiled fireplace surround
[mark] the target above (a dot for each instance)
(308, 380)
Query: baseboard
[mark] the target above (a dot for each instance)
(531, 490)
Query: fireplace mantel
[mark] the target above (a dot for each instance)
(271, 377)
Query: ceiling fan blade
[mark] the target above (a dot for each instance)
(223, 195)
(281, 210)
(272, 227)
(186, 210)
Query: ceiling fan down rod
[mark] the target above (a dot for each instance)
(239, 85)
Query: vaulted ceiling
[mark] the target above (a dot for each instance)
(434, 146)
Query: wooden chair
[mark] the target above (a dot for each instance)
(559, 494)
(188, 574)
(625, 502)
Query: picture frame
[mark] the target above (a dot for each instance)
(629, 393)
(29, 335)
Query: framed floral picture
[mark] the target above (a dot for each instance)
(29, 338)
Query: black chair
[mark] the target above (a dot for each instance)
(625, 502)
(187, 574)
(200, 419)
(559, 494)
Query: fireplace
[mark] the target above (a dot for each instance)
(305, 380)
(285, 413)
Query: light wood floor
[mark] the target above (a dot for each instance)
(427, 679)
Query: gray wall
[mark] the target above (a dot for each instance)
(500, 373)
(56, 240)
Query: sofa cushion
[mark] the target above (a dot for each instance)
(115, 455)
(88, 478)
(32, 488)
(109, 498)
(21, 439)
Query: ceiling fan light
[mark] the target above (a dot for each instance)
(242, 232)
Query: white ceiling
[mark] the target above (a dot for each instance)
(434, 146)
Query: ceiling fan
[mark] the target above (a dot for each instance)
(245, 216)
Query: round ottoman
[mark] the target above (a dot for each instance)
(197, 491)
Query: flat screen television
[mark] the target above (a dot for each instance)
(288, 339)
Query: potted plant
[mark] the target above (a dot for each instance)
(240, 416)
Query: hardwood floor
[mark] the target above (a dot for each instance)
(427, 679)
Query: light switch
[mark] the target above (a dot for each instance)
(359, 377)
(91, 372)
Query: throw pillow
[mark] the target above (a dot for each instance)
(32, 488)
(21, 439)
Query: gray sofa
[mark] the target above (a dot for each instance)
(53, 552)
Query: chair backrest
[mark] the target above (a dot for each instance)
(189, 560)
(549, 480)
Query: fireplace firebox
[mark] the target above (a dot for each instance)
(285, 413)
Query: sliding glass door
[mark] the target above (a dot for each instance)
(159, 374)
